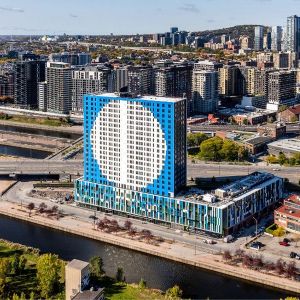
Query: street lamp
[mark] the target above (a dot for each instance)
(256, 226)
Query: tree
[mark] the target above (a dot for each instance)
(195, 139)
(291, 270)
(96, 268)
(54, 209)
(30, 207)
(245, 121)
(282, 158)
(42, 207)
(210, 148)
(48, 274)
(4, 270)
(174, 292)
(127, 225)
(227, 256)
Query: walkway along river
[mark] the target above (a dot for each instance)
(158, 273)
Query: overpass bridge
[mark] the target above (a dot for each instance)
(41, 167)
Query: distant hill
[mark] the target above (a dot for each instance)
(234, 32)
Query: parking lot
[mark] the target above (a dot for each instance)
(272, 246)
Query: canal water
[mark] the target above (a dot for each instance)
(23, 152)
(157, 272)
(44, 132)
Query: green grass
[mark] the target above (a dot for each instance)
(123, 291)
(37, 121)
(26, 281)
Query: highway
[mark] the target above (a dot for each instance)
(41, 167)
(202, 169)
(224, 170)
(212, 128)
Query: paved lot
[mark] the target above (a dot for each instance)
(272, 246)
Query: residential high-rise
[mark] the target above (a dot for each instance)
(173, 81)
(282, 87)
(7, 81)
(42, 96)
(174, 29)
(27, 76)
(267, 41)
(71, 58)
(230, 81)
(246, 42)
(281, 60)
(258, 38)
(276, 38)
(207, 65)
(205, 91)
(59, 87)
(141, 80)
(293, 34)
(134, 145)
(89, 80)
(120, 78)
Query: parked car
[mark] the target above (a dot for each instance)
(294, 255)
(256, 246)
(283, 243)
(228, 238)
(209, 241)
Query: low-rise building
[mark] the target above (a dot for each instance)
(290, 115)
(257, 144)
(274, 130)
(77, 281)
(287, 146)
(288, 215)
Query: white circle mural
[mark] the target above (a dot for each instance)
(129, 144)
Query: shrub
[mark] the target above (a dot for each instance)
(226, 255)
(142, 284)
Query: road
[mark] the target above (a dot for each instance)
(202, 169)
(224, 170)
(212, 128)
(36, 167)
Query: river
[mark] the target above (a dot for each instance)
(158, 273)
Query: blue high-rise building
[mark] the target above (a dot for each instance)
(135, 165)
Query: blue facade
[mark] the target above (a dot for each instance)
(164, 112)
(155, 199)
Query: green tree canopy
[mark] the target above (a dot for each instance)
(174, 293)
(49, 273)
(195, 139)
(96, 268)
(210, 148)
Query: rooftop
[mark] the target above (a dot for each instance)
(147, 98)
(258, 140)
(232, 192)
(77, 264)
(89, 295)
(287, 144)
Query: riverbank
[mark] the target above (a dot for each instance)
(177, 251)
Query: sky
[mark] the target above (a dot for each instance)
(137, 16)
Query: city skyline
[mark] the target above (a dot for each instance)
(70, 17)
